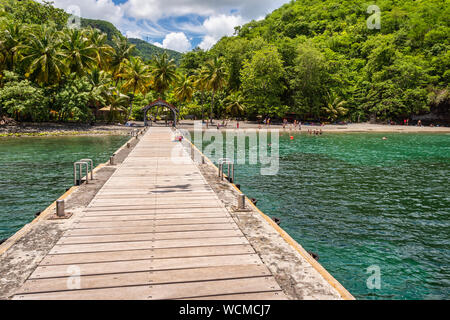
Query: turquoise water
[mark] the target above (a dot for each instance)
(358, 201)
(35, 171)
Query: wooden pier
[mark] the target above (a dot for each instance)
(156, 230)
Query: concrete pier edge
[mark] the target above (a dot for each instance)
(345, 294)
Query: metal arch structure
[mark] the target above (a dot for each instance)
(161, 104)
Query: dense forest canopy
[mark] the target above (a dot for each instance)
(334, 66)
(313, 60)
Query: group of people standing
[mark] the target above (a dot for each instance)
(315, 132)
(297, 125)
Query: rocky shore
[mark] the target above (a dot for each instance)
(60, 129)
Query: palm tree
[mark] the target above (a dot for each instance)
(11, 39)
(137, 78)
(117, 101)
(103, 51)
(185, 89)
(122, 51)
(164, 74)
(235, 104)
(80, 52)
(215, 76)
(200, 84)
(334, 108)
(100, 82)
(44, 57)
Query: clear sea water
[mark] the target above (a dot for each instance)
(354, 199)
(35, 171)
(359, 201)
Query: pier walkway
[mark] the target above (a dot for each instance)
(156, 230)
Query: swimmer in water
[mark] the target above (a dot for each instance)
(384, 138)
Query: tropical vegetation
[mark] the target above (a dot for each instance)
(310, 59)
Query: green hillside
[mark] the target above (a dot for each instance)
(104, 26)
(147, 50)
(30, 12)
(320, 60)
(144, 49)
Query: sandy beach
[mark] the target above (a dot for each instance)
(52, 129)
(354, 127)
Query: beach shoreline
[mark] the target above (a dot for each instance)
(354, 127)
(71, 129)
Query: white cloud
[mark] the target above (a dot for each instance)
(207, 43)
(146, 19)
(134, 34)
(95, 9)
(175, 41)
(157, 9)
(218, 26)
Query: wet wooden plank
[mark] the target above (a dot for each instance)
(87, 219)
(274, 295)
(157, 222)
(150, 236)
(165, 291)
(157, 229)
(145, 277)
(143, 265)
(184, 243)
(129, 255)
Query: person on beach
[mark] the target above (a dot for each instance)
(419, 123)
(237, 124)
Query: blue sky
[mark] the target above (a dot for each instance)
(174, 24)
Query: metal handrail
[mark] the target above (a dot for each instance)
(230, 165)
(92, 166)
(80, 165)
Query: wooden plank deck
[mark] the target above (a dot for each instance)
(156, 230)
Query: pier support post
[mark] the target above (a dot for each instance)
(241, 201)
(60, 208)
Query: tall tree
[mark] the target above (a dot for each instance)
(122, 51)
(80, 52)
(43, 57)
(262, 81)
(103, 51)
(137, 78)
(200, 85)
(216, 78)
(185, 90)
(164, 74)
(235, 105)
(11, 39)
